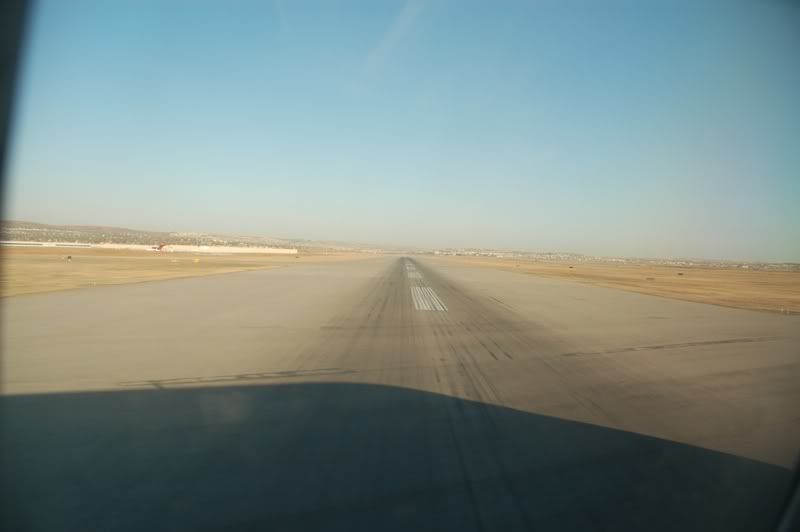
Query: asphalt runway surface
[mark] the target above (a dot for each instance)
(393, 394)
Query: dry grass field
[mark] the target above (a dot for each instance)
(34, 270)
(776, 291)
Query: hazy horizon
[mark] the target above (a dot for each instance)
(633, 131)
(387, 247)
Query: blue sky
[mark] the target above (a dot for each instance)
(639, 129)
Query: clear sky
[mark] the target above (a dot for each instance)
(639, 128)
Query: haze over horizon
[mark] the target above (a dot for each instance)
(645, 131)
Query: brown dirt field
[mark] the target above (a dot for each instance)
(35, 270)
(776, 291)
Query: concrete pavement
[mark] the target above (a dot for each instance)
(393, 393)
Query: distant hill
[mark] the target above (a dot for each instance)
(98, 234)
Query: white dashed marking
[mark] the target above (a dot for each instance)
(425, 298)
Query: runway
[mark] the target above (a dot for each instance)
(393, 393)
